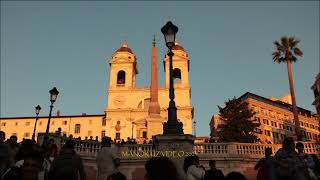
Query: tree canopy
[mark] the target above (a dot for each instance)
(238, 126)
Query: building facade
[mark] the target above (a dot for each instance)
(316, 92)
(127, 114)
(276, 119)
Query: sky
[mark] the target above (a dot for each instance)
(68, 44)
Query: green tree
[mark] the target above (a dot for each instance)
(286, 52)
(238, 126)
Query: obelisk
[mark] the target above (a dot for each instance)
(154, 107)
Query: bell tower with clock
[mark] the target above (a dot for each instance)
(123, 71)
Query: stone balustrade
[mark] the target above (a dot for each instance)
(236, 150)
(240, 157)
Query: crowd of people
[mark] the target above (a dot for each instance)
(288, 164)
(30, 161)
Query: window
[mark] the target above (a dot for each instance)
(89, 133)
(266, 121)
(90, 121)
(177, 75)
(274, 124)
(121, 78)
(26, 135)
(104, 121)
(275, 135)
(52, 123)
(117, 136)
(40, 122)
(3, 124)
(267, 132)
(257, 130)
(64, 122)
(103, 133)
(118, 122)
(77, 129)
(281, 126)
(27, 123)
(144, 134)
(16, 123)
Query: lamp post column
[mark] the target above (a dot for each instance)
(172, 126)
(46, 136)
(53, 96)
(38, 108)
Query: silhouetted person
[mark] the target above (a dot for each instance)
(213, 172)
(192, 168)
(68, 165)
(304, 163)
(107, 159)
(27, 147)
(285, 160)
(117, 176)
(235, 176)
(316, 169)
(4, 153)
(160, 168)
(265, 166)
(32, 165)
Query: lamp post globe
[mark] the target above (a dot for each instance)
(38, 108)
(53, 94)
(169, 31)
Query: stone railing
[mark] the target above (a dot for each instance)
(241, 150)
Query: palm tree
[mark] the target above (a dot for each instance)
(286, 51)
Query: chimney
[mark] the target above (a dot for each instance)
(58, 113)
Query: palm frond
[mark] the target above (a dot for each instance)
(276, 43)
(276, 55)
(297, 52)
(281, 59)
(294, 43)
(293, 58)
(291, 41)
(284, 41)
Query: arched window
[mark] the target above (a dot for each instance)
(177, 75)
(121, 78)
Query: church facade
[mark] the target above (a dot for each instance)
(131, 111)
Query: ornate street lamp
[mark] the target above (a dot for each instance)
(38, 108)
(53, 96)
(172, 126)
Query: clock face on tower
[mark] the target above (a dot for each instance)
(119, 100)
